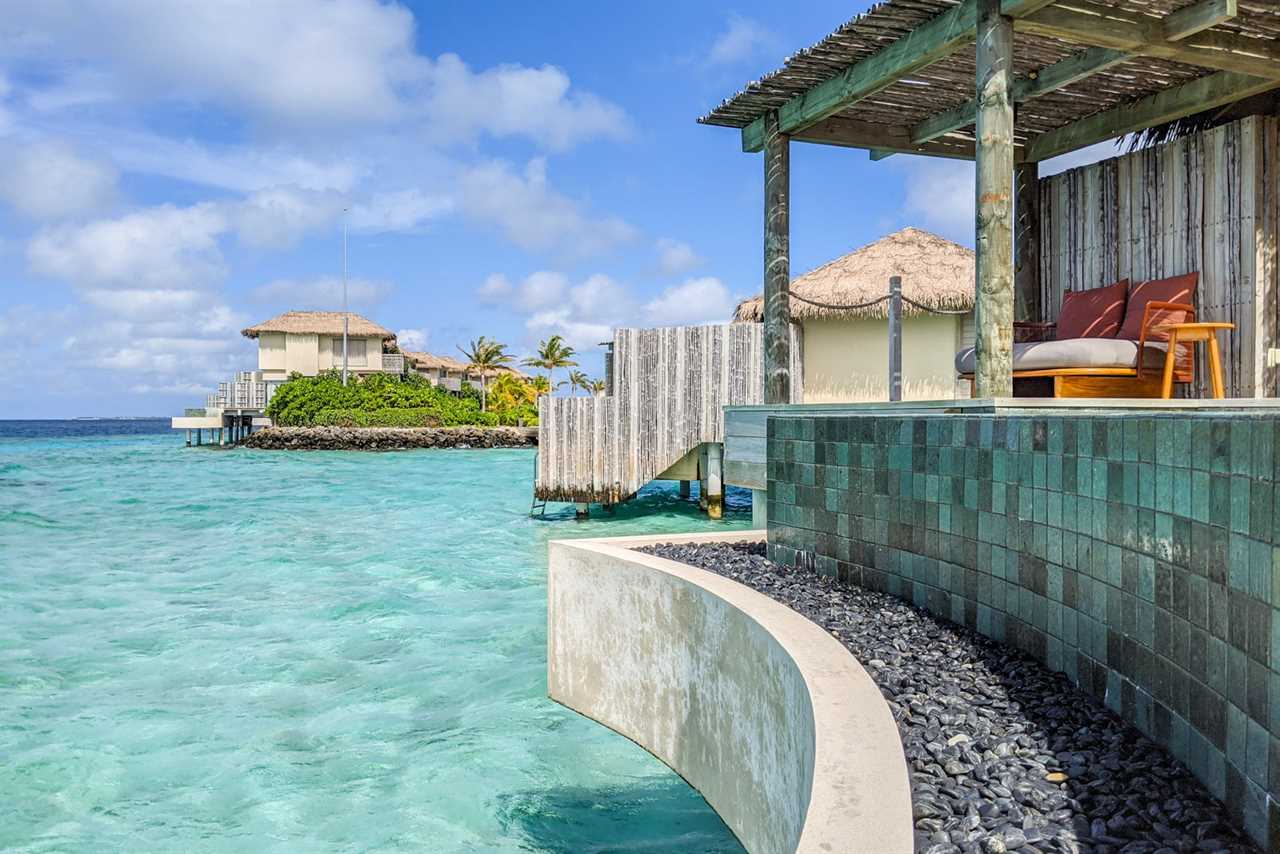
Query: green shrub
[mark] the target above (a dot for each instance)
(378, 418)
(382, 400)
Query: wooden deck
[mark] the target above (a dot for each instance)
(670, 389)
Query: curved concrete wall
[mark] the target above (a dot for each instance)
(1136, 551)
(761, 711)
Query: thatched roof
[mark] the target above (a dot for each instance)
(935, 273)
(320, 323)
(433, 362)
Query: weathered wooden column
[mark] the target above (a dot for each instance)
(715, 482)
(994, 375)
(895, 338)
(777, 263)
(703, 463)
(1026, 245)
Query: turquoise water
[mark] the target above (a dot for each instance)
(206, 650)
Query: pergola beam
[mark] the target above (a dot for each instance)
(1197, 18)
(851, 133)
(1181, 25)
(1106, 26)
(1203, 93)
(1063, 73)
(923, 46)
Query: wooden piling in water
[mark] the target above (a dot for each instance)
(715, 481)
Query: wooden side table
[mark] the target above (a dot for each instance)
(1193, 333)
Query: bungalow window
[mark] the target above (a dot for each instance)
(355, 352)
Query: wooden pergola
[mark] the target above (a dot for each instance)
(1006, 83)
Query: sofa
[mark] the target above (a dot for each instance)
(1110, 341)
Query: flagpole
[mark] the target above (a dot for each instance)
(345, 313)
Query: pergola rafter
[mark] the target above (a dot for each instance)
(907, 78)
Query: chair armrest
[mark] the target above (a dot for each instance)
(1032, 331)
(1150, 324)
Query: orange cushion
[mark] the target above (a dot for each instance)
(1175, 289)
(1095, 313)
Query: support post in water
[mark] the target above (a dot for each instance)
(188, 438)
(684, 489)
(895, 338)
(994, 374)
(715, 483)
(702, 477)
(582, 510)
(777, 263)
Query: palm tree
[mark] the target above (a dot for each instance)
(579, 380)
(485, 357)
(598, 387)
(541, 385)
(552, 353)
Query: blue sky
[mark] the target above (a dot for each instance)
(173, 172)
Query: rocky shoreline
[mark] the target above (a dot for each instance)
(1004, 754)
(390, 438)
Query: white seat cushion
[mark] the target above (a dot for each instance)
(1072, 353)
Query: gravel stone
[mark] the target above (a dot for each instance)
(1004, 754)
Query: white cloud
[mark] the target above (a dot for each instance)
(495, 288)
(940, 196)
(695, 301)
(676, 256)
(399, 210)
(578, 334)
(323, 293)
(533, 215)
(294, 66)
(511, 100)
(541, 290)
(288, 61)
(412, 339)
(154, 249)
(277, 218)
(48, 179)
(601, 298)
(742, 39)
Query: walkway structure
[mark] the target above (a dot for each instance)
(662, 417)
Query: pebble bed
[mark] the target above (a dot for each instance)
(1004, 754)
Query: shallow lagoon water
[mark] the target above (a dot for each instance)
(208, 650)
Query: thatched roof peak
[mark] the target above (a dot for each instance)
(320, 323)
(935, 272)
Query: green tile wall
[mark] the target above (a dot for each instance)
(1137, 554)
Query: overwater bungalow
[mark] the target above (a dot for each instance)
(302, 342)
(1119, 525)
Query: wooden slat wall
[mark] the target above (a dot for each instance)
(1206, 202)
(670, 389)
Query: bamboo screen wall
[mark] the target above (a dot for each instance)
(670, 389)
(1207, 203)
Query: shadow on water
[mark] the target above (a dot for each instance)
(645, 815)
(660, 499)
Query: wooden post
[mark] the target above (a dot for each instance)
(199, 437)
(715, 483)
(188, 438)
(994, 375)
(1026, 248)
(895, 338)
(777, 263)
(703, 465)
(684, 489)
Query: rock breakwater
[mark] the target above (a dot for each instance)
(390, 438)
